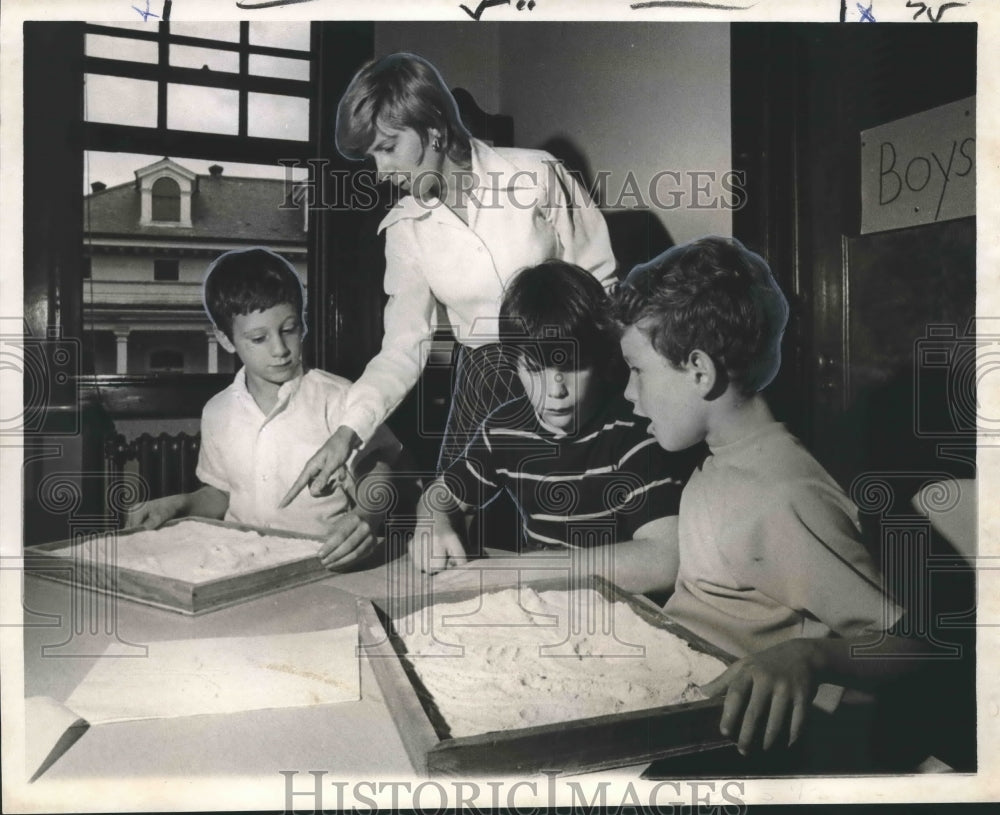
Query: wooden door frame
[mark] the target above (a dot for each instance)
(801, 95)
(766, 88)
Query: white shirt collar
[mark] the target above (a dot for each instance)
(491, 174)
(285, 392)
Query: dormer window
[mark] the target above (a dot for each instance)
(165, 191)
(166, 200)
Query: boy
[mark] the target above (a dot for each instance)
(581, 469)
(258, 432)
(771, 564)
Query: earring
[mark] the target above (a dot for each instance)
(436, 145)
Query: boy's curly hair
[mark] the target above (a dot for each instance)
(712, 294)
(246, 280)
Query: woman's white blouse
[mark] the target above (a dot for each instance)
(523, 208)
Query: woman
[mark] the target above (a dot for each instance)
(474, 216)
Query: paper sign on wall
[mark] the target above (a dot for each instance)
(920, 169)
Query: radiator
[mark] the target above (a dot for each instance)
(164, 464)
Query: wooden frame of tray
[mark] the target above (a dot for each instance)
(599, 742)
(171, 593)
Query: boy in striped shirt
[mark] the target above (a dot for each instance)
(581, 468)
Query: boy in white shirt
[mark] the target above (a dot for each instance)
(258, 432)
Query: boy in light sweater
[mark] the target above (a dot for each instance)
(771, 564)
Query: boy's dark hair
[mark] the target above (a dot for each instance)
(555, 315)
(246, 280)
(399, 90)
(715, 295)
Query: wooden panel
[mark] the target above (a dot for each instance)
(344, 280)
(496, 129)
(765, 85)
(599, 742)
(901, 286)
(53, 206)
(900, 283)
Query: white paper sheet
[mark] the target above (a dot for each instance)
(50, 729)
(225, 675)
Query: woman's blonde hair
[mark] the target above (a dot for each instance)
(399, 91)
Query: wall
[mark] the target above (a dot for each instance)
(629, 100)
(465, 54)
(634, 99)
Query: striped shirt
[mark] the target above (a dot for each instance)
(595, 487)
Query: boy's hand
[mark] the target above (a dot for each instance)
(350, 539)
(771, 689)
(330, 458)
(153, 514)
(432, 552)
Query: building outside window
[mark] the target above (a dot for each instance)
(120, 300)
(149, 85)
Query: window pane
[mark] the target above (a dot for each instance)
(166, 269)
(120, 101)
(166, 201)
(227, 32)
(122, 48)
(280, 35)
(185, 56)
(279, 67)
(206, 110)
(277, 117)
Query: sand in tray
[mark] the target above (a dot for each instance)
(193, 551)
(512, 659)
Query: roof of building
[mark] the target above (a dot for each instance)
(222, 208)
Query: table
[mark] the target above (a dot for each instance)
(57, 657)
(68, 628)
(346, 740)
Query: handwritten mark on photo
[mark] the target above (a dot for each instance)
(866, 15)
(268, 3)
(928, 9)
(145, 14)
(485, 4)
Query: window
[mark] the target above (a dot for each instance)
(211, 110)
(166, 360)
(203, 78)
(166, 202)
(166, 269)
